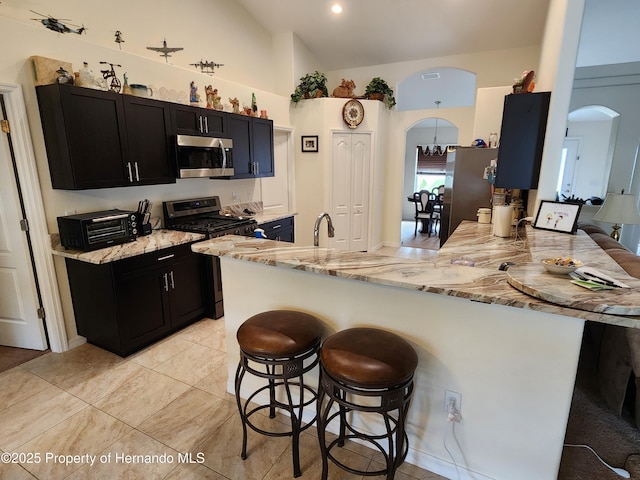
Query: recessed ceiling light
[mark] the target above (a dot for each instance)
(336, 8)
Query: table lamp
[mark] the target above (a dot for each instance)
(618, 209)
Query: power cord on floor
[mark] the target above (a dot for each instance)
(453, 417)
(620, 471)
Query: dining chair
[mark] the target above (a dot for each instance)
(421, 202)
(435, 212)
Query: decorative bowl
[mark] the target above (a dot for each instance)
(561, 265)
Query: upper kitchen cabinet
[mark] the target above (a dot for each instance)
(189, 120)
(252, 146)
(98, 139)
(151, 155)
(524, 123)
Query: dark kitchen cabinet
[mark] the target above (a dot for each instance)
(524, 123)
(252, 146)
(281, 230)
(98, 139)
(188, 120)
(125, 305)
(152, 158)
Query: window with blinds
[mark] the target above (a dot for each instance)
(431, 163)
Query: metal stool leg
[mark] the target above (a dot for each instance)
(238, 381)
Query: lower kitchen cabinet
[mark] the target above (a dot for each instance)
(125, 305)
(282, 230)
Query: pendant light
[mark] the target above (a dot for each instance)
(436, 148)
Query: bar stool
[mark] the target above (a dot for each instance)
(370, 371)
(286, 344)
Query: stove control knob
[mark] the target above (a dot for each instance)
(236, 231)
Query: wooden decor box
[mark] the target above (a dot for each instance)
(44, 69)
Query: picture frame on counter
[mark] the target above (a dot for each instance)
(558, 216)
(309, 143)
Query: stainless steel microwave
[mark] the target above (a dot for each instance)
(204, 156)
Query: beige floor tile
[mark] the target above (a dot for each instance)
(36, 414)
(13, 471)
(141, 397)
(193, 364)
(85, 434)
(149, 460)
(187, 421)
(100, 380)
(57, 367)
(216, 383)
(216, 340)
(201, 330)
(193, 472)
(222, 450)
(311, 464)
(18, 384)
(159, 353)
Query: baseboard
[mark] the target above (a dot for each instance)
(76, 341)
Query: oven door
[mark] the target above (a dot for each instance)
(199, 157)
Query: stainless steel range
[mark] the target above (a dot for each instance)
(202, 215)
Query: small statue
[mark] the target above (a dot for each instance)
(194, 98)
(213, 99)
(345, 89)
(235, 104)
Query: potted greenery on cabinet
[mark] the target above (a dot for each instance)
(379, 90)
(312, 85)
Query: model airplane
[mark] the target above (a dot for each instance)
(207, 67)
(56, 25)
(164, 50)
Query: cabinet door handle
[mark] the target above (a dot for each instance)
(166, 257)
(257, 168)
(200, 121)
(135, 166)
(166, 282)
(276, 226)
(173, 284)
(129, 169)
(206, 124)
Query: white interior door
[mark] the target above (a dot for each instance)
(350, 179)
(20, 325)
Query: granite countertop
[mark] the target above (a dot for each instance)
(483, 282)
(157, 240)
(261, 216)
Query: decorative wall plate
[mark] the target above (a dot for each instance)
(353, 113)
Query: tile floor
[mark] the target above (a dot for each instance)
(136, 415)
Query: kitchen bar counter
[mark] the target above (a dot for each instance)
(157, 240)
(483, 282)
(511, 356)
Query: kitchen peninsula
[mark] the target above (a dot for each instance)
(513, 357)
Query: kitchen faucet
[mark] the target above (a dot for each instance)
(316, 229)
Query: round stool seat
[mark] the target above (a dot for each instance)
(368, 358)
(279, 333)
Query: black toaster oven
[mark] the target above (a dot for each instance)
(91, 231)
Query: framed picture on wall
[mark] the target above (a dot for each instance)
(310, 143)
(557, 216)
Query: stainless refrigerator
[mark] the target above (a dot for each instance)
(464, 188)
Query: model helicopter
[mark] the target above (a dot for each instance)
(119, 40)
(56, 25)
(207, 67)
(164, 50)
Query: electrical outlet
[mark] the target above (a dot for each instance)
(250, 195)
(455, 397)
(70, 212)
(235, 196)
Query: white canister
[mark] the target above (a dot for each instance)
(503, 215)
(484, 215)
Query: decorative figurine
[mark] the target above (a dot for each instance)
(86, 77)
(213, 99)
(254, 107)
(164, 50)
(64, 77)
(193, 94)
(235, 104)
(525, 84)
(126, 89)
(115, 84)
(206, 66)
(345, 89)
(119, 39)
